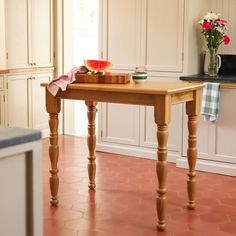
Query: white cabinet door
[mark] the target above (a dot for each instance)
(225, 128)
(41, 32)
(121, 33)
(164, 30)
(141, 32)
(216, 141)
(38, 114)
(148, 128)
(18, 101)
(26, 101)
(2, 36)
(17, 33)
(29, 33)
(2, 107)
(120, 123)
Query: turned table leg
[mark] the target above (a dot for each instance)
(91, 141)
(192, 158)
(161, 169)
(53, 105)
(162, 115)
(192, 110)
(53, 153)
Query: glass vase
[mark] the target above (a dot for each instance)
(213, 62)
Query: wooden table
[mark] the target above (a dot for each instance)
(161, 95)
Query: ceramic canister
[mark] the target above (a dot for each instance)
(139, 77)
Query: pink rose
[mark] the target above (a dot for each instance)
(226, 39)
(206, 25)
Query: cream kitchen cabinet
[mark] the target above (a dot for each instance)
(216, 141)
(2, 100)
(155, 34)
(119, 123)
(147, 33)
(2, 35)
(131, 130)
(162, 49)
(29, 33)
(2, 107)
(26, 101)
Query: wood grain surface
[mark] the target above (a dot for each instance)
(103, 79)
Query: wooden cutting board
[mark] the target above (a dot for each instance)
(103, 79)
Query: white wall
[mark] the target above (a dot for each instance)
(194, 41)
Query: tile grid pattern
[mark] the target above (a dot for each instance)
(124, 201)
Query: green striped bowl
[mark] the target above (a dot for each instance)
(139, 78)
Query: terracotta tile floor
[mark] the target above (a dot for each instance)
(124, 201)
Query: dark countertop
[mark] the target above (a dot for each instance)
(207, 78)
(13, 136)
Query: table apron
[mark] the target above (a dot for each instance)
(124, 98)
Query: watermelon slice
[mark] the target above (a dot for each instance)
(97, 66)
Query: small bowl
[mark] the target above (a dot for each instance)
(139, 77)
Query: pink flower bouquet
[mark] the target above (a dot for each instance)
(214, 30)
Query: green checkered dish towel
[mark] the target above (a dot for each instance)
(210, 101)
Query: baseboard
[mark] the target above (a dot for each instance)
(181, 162)
(210, 166)
(136, 151)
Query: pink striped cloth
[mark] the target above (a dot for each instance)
(62, 81)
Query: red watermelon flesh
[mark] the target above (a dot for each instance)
(97, 66)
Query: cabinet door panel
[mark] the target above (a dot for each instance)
(148, 128)
(40, 41)
(2, 107)
(39, 116)
(120, 123)
(225, 128)
(17, 33)
(164, 28)
(216, 140)
(2, 36)
(18, 101)
(123, 33)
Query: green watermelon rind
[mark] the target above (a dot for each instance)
(97, 66)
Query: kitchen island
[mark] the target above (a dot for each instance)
(21, 182)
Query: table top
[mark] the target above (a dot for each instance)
(149, 87)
